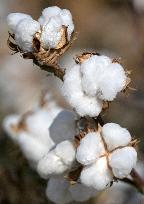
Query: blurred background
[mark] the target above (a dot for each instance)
(111, 27)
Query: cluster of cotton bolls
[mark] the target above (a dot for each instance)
(55, 27)
(92, 80)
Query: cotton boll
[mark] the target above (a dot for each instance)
(63, 126)
(51, 164)
(8, 124)
(33, 149)
(114, 81)
(97, 175)
(72, 90)
(92, 71)
(81, 193)
(66, 151)
(52, 33)
(14, 18)
(47, 13)
(123, 161)
(67, 21)
(25, 31)
(115, 136)
(90, 149)
(57, 191)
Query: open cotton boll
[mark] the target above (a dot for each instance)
(67, 21)
(51, 164)
(122, 161)
(8, 124)
(81, 193)
(33, 149)
(114, 81)
(115, 136)
(58, 191)
(47, 13)
(92, 71)
(72, 90)
(66, 151)
(63, 126)
(90, 149)
(14, 18)
(97, 175)
(25, 31)
(52, 33)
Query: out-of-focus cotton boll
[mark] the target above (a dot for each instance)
(51, 164)
(8, 124)
(31, 148)
(51, 34)
(14, 18)
(97, 175)
(92, 73)
(58, 191)
(114, 81)
(115, 136)
(81, 193)
(47, 13)
(66, 151)
(122, 161)
(25, 31)
(63, 126)
(90, 149)
(72, 90)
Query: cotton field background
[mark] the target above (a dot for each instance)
(110, 27)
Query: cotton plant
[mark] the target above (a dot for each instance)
(82, 155)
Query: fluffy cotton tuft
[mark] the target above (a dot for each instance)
(25, 31)
(14, 18)
(72, 90)
(97, 175)
(123, 161)
(90, 149)
(115, 136)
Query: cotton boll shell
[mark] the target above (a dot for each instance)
(8, 125)
(47, 13)
(66, 151)
(50, 164)
(90, 149)
(122, 161)
(115, 136)
(33, 149)
(57, 191)
(63, 126)
(14, 18)
(81, 193)
(72, 90)
(97, 175)
(92, 71)
(52, 33)
(25, 31)
(114, 81)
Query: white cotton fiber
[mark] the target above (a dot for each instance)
(33, 149)
(90, 149)
(72, 90)
(58, 191)
(123, 161)
(14, 18)
(63, 126)
(66, 151)
(8, 124)
(115, 136)
(81, 193)
(97, 175)
(25, 31)
(47, 13)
